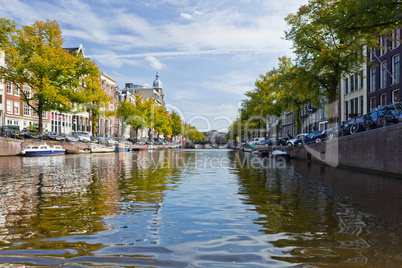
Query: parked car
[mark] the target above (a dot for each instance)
(82, 136)
(53, 136)
(257, 140)
(9, 131)
(111, 141)
(29, 134)
(316, 136)
(291, 142)
(267, 142)
(283, 140)
(338, 131)
(70, 138)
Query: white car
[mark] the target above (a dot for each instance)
(83, 136)
(292, 141)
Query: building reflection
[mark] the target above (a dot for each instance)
(323, 212)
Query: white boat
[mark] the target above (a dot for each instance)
(43, 150)
(78, 151)
(278, 153)
(96, 148)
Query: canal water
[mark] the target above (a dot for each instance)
(195, 208)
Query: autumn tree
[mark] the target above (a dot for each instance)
(177, 125)
(92, 97)
(194, 134)
(162, 121)
(125, 111)
(35, 57)
(138, 119)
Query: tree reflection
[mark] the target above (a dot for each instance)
(71, 195)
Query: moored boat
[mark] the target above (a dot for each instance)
(96, 148)
(43, 150)
(78, 151)
(121, 147)
(278, 153)
(139, 148)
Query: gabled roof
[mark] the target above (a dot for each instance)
(79, 50)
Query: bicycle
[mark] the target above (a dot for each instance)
(398, 107)
(354, 127)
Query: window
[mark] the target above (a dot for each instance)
(346, 85)
(383, 44)
(372, 54)
(354, 105)
(396, 38)
(12, 122)
(361, 105)
(352, 83)
(356, 82)
(27, 110)
(9, 89)
(9, 106)
(395, 96)
(373, 74)
(396, 69)
(346, 110)
(361, 79)
(27, 91)
(16, 107)
(383, 99)
(16, 91)
(372, 103)
(383, 74)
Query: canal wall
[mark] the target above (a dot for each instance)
(378, 150)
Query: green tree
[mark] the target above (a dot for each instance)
(163, 122)
(35, 57)
(235, 130)
(324, 53)
(125, 111)
(362, 17)
(6, 28)
(138, 120)
(195, 135)
(177, 125)
(93, 97)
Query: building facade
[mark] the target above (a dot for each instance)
(155, 92)
(384, 73)
(147, 92)
(108, 126)
(17, 112)
(353, 95)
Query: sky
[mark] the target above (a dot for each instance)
(208, 53)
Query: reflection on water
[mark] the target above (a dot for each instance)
(195, 208)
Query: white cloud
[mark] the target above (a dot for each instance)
(154, 62)
(186, 16)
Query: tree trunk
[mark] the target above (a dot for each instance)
(40, 118)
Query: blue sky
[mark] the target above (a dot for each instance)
(208, 53)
